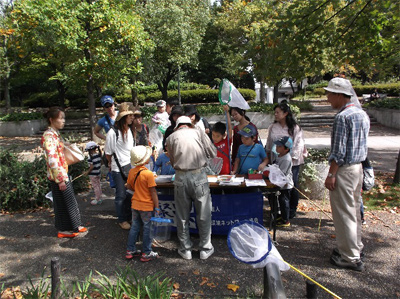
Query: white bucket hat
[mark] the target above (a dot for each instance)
(91, 145)
(183, 120)
(340, 85)
(140, 154)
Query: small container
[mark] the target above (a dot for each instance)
(161, 228)
(255, 176)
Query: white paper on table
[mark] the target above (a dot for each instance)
(163, 178)
(233, 182)
(212, 179)
(252, 183)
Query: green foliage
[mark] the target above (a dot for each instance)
(42, 99)
(196, 96)
(21, 116)
(128, 284)
(315, 156)
(391, 89)
(26, 182)
(393, 103)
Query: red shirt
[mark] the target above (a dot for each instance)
(223, 146)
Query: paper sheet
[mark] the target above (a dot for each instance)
(252, 183)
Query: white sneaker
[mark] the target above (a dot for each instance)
(186, 254)
(96, 202)
(125, 225)
(205, 254)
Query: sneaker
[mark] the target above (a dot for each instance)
(363, 222)
(96, 202)
(341, 263)
(148, 257)
(335, 252)
(66, 235)
(131, 254)
(283, 223)
(205, 254)
(125, 225)
(186, 254)
(82, 229)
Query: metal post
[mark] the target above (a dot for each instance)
(55, 278)
(311, 289)
(273, 286)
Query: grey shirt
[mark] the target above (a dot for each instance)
(189, 149)
(285, 164)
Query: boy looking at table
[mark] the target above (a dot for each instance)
(251, 154)
(282, 148)
(220, 139)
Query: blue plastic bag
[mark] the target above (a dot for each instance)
(109, 178)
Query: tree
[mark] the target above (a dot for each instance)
(176, 27)
(92, 42)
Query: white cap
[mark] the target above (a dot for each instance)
(91, 145)
(183, 120)
(340, 85)
(160, 103)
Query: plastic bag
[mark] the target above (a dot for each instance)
(156, 139)
(276, 176)
(250, 243)
(368, 175)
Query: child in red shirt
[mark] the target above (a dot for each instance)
(220, 139)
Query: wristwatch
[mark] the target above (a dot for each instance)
(331, 175)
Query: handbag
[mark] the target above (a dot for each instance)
(368, 175)
(73, 154)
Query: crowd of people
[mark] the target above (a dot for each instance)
(189, 144)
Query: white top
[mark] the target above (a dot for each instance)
(122, 148)
(276, 131)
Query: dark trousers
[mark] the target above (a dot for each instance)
(284, 204)
(294, 194)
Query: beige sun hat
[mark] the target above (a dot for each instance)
(183, 120)
(140, 154)
(125, 109)
(340, 85)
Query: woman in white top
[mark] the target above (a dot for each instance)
(118, 146)
(285, 125)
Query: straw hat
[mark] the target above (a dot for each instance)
(125, 109)
(140, 154)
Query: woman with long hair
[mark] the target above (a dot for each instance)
(66, 210)
(239, 115)
(118, 147)
(286, 125)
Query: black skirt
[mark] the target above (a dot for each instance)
(66, 210)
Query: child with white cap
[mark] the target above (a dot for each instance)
(161, 117)
(144, 203)
(94, 170)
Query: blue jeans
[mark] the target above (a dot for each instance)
(140, 218)
(122, 198)
(294, 194)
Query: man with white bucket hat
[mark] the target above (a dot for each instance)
(189, 149)
(348, 149)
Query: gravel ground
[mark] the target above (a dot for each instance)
(28, 243)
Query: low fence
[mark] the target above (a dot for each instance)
(21, 128)
(387, 117)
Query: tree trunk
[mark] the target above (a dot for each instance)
(163, 87)
(134, 93)
(7, 93)
(92, 106)
(276, 94)
(61, 93)
(396, 178)
(262, 91)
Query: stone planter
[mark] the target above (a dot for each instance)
(312, 179)
(21, 128)
(386, 117)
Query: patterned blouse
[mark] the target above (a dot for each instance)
(53, 146)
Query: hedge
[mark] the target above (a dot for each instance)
(391, 89)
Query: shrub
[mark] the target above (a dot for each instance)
(385, 103)
(24, 184)
(42, 99)
(21, 116)
(391, 89)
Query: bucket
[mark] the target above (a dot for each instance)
(161, 228)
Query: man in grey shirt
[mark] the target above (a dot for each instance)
(189, 149)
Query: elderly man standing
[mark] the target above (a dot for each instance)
(189, 149)
(344, 180)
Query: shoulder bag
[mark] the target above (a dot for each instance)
(73, 154)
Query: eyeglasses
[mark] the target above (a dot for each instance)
(108, 106)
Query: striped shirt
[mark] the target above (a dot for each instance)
(96, 161)
(349, 136)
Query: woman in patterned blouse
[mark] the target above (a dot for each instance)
(66, 210)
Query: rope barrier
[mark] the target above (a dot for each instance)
(312, 280)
